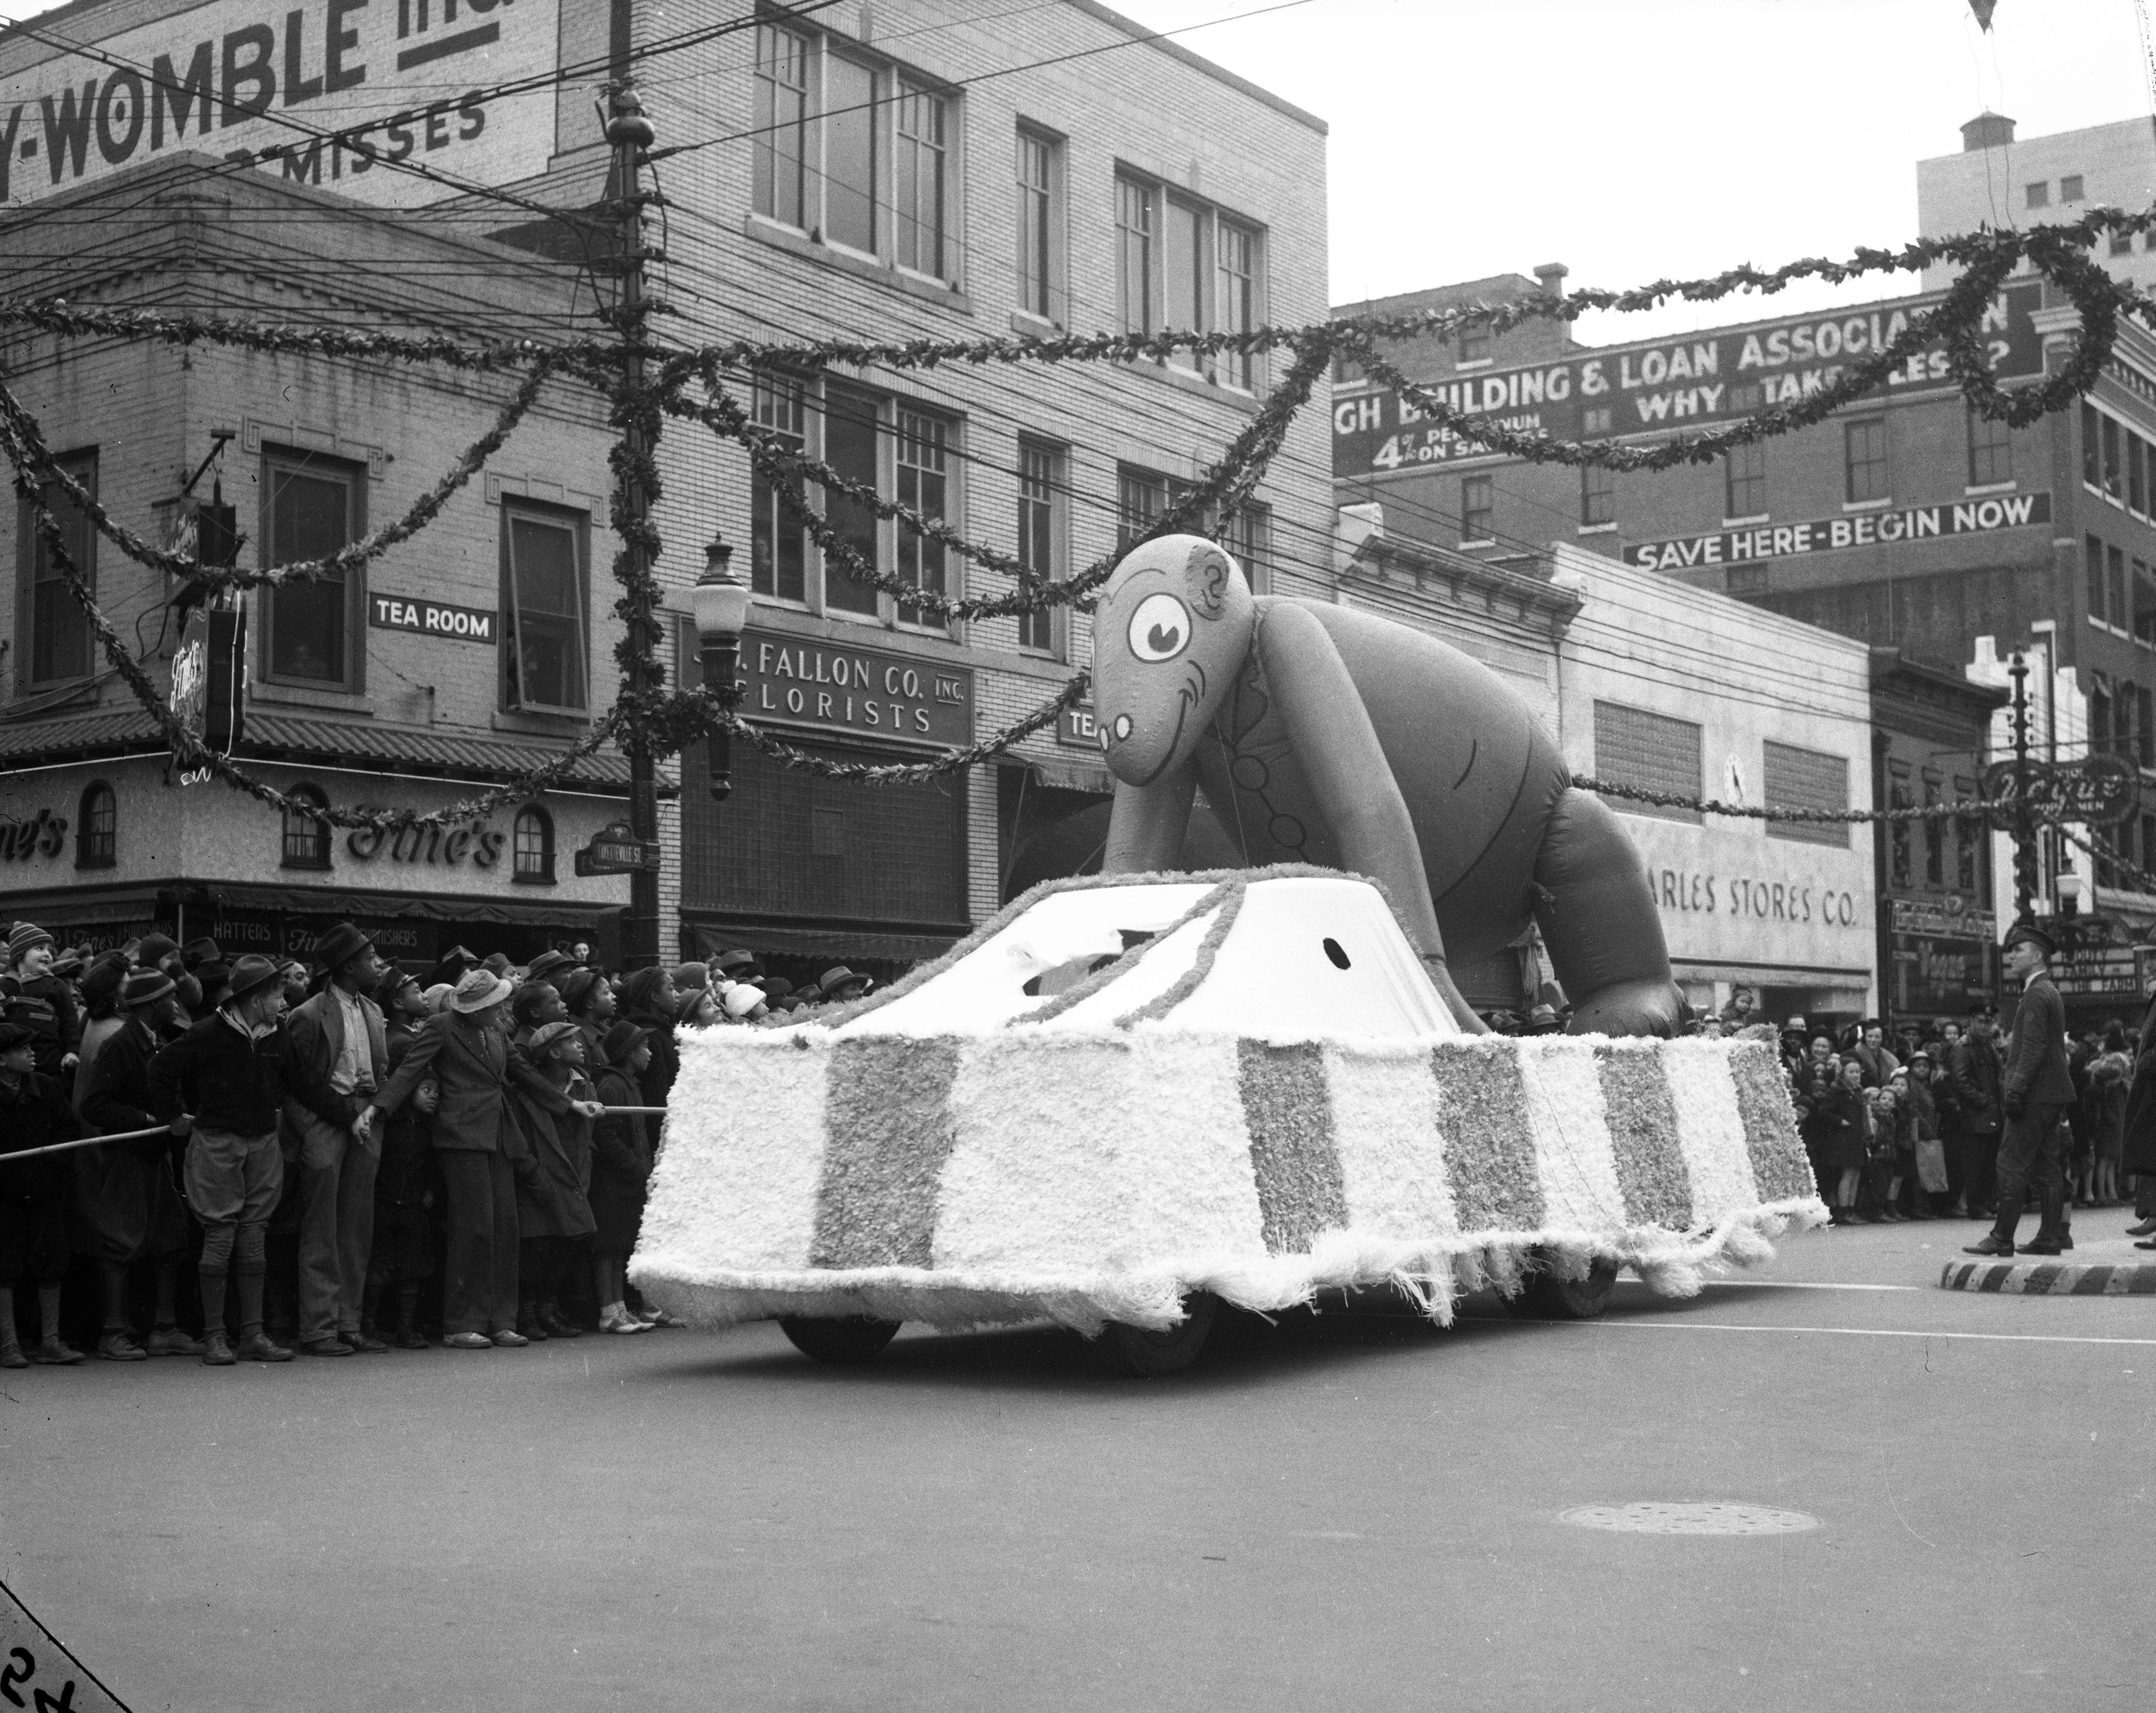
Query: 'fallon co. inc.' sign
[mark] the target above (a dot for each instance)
(789, 680)
(1862, 529)
(381, 77)
(1669, 383)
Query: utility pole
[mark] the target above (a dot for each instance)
(2024, 831)
(630, 134)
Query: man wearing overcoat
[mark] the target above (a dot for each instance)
(2036, 1089)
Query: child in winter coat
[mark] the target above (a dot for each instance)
(621, 1167)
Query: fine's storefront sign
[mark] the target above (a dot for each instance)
(1690, 382)
(480, 844)
(433, 618)
(1862, 529)
(41, 834)
(382, 78)
(789, 680)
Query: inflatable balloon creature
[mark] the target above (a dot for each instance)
(1327, 735)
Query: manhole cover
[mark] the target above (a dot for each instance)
(1653, 1517)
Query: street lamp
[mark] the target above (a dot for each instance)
(720, 601)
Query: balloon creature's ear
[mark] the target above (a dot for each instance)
(1208, 571)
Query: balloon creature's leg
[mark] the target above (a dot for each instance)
(1597, 914)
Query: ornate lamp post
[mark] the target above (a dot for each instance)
(720, 601)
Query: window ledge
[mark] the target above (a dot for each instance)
(1739, 523)
(1029, 325)
(1882, 504)
(785, 237)
(1484, 542)
(1971, 492)
(1596, 529)
(1197, 385)
(536, 724)
(295, 695)
(1473, 362)
(531, 880)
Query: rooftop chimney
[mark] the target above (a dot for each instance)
(1987, 131)
(1552, 275)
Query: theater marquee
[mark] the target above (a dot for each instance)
(335, 93)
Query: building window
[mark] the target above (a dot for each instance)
(871, 165)
(2114, 579)
(2145, 726)
(1248, 537)
(851, 418)
(778, 542)
(2092, 562)
(1478, 508)
(2092, 435)
(1968, 842)
(1475, 344)
(781, 154)
(2070, 187)
(53, 634)
(2144, 603)
(1990, 451)
(924, 478)
(1744, 481)
(1649, 753)
(1140, 497)
(532, 841)
(1864, 444)
(2122, 244)
(314, 635)
(1935, 840)
(306, 835)
(2039, 194)
(544, 598)
(921, 196)
(97, 827)
(1238, 306)
(1792, 778)
(1040, 503)
(1898, 875)
(2112, 484)
(1040, 225)
(2136, 474)
(1138, 217)
(1598, 495)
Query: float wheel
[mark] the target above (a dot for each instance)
(1145, 1353)
(1544, 1296)
(848, 1340)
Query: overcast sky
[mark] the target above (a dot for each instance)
(1635, 139)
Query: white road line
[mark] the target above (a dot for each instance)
(1795, 1284)
(1844, 1331)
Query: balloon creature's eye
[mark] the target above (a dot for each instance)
(1160, 629)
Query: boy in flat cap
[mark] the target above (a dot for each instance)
(33, 1196)
(130, 1207)
(2036, 1089)
(554, 1214)
(337, 1037)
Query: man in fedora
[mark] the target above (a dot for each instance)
(2035, 1090)
(839, 984)
(337, 1038)
(129, 1208)
(227, 1078)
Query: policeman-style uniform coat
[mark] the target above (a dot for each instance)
(2036, 1072)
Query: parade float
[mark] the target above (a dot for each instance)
(1128, 1098)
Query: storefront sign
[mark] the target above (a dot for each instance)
(1075, 730)
(1760, 897)
(1940, 973)
(1861, 529)
(1948, 916)
(2100, 971)
(433, 618)
(478, 843)
(2102, 791)
(209, 680)
(1681, 383)
(41, 834)
(380, 77)
(789, 681)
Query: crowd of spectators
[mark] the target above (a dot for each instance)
(341, 1156)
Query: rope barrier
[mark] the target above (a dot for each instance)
(125, 1135)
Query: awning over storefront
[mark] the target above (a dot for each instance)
(840, 941)
(1854, 983)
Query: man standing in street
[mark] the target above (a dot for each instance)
(337, 1037)
(2035, 1091)
(226, 1076)
(1972, 1070)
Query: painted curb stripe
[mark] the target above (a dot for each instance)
(1289, 1116)
(1482, 1108)
(889, 1130)
(2052, 1279)
(1642, 1116)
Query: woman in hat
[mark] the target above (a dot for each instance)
(480, 1152)
(33, 1196)
(102, 1018)
(32, 995)
(695, 1008)
(621, 1169)
(841, 984)
(129, 1209)
(744, 1004)
(647, 1000)
(553, 1212)
(589, 1004)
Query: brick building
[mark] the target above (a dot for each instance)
(908, 170)
(451, 662)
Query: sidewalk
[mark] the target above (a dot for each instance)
(2103, 1261)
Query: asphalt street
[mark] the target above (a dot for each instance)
(1345, 1510)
